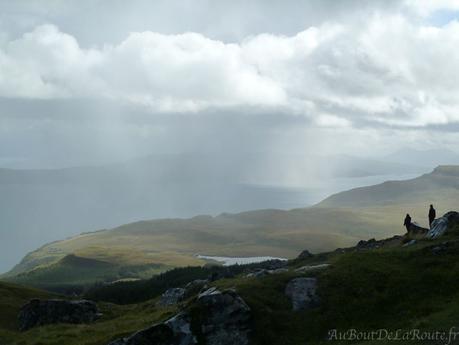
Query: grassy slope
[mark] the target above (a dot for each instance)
(72, 273)
(340, 220)
(174, 243)
(12, 297)
(117, 321)
(386, 288)
(401, 288)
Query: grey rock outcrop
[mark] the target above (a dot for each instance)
(194, 287)
(309, 268)
(264, 272)
(258, 273)
(370, 244)
(303, 293)
(409, 243)
(171, 297)
(43, 312)
(226, 318)
(416, 229)
(441, 225)
(373, 244)
(175, 331)
(305, 254)
(440, 248)
(278, 271)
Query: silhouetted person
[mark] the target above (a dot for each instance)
(432, 215)
(407, 222)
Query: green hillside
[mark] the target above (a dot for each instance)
(138, 249)
(392, 288)
(72, 273)
(12, 297)
(175, 242)
(116, 321)
(440, 187)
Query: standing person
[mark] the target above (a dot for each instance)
(432, 215)
(407, 222)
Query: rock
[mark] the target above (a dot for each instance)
(278, 271)
(442, 224)
(273, 264)
(194, 287)
(305, 254)
(171, 297)
(409, 243)
(439, 249)
(370, 244)
(175, 331)
(226, 318)
(374, 244)
(258, 273)
(264, 272)
(43, 312)
(303, 293)
(309, 268)
(416, 229)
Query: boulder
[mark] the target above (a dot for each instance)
(409, 243)
(305, 254)
(226, 318)
(443, 224)
(264, 272)
(43, 312)
(439, 249)
(375, 244)
(278, 271)
(272, 264)
(194, 287)
(303, 293)
(416, 229)
(258, 273)
(308, 268)
(171, 297)
(370, 244)
(175, 331)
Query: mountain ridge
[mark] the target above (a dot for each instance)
(338, 221)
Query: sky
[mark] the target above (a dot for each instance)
(90, 82)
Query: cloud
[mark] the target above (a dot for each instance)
(384, 70)
(47, 63)
(427, 7)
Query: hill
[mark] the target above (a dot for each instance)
(72, 273)
(440, 187)
(141, 248)
(41, 205)
(175, 242)
(359, 289)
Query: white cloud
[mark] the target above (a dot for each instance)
(47, 63)
(427, 7)
(385, 69)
